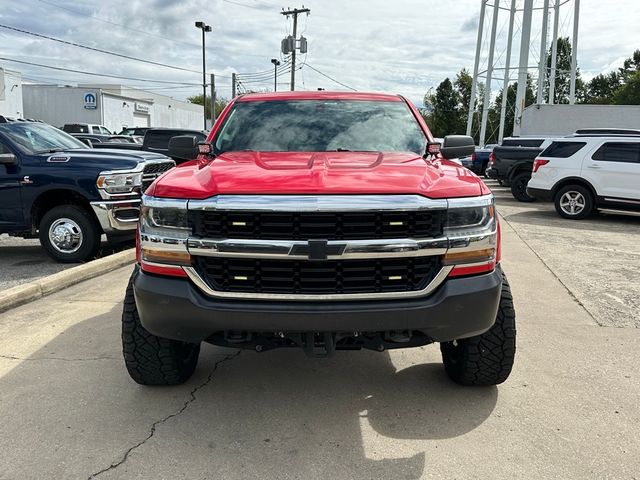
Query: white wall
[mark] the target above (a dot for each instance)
(60, 105)
(116, 106)
(11, 104)
(566, 119)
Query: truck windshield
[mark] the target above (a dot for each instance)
(39, 137)
(321, 126)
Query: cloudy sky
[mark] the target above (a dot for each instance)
(405, 46)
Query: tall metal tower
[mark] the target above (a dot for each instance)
(522, 11)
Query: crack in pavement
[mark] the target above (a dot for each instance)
(571, 294)
(154, 426)
(62, 359)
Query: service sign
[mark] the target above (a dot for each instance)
(90, 101)
(141, 107)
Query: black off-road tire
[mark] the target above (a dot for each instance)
(519, 188)
(485, 359)
(589, 202)
(87, 224)
(152, 360)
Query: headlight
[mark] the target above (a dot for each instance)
(164, 216)
(163, 231)
(465, 219)
(119, 182)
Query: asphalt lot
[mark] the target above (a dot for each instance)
(569, 410)
(23, 261)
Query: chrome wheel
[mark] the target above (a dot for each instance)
(573, 202)
(65, 235)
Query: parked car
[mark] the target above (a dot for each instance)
(53, 187)
(86, 128)
(134, 131)
(479, 160)
(319, 220)
(511, 163)
(157, 140)
(587, 172)
(97, 138)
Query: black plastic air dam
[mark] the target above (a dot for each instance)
(175, 308)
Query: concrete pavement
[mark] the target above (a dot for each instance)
(569, 409)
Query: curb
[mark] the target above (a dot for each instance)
(28, 292)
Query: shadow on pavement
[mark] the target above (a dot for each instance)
(70, 409)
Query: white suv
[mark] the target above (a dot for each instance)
(585, 172)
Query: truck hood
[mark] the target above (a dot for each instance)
(319, 173)
(103, 159)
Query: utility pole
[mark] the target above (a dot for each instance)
(234, 81)
(276, 63)
(542, 68)
(213, 100)
(205, 28)
(574, 53)
(507, 66)
(295, 12)
(474, 82)
(554, 53)
(487, 87)
(527, 12)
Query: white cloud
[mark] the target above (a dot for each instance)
(405, 46)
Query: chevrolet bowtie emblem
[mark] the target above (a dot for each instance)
(318, 249)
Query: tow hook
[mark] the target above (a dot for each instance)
(324, 350)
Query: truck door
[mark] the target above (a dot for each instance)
(11, 215)
(614, 170)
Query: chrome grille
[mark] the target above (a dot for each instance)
(316, 225)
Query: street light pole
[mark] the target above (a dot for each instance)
(205, 28)
(276, 63)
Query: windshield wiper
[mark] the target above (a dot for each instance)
(50, 150)
(339, 150)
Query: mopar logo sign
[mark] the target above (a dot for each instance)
(90, 100)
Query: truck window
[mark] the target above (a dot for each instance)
(562, 149)
(321, 125)
(626, 152)
(95, 129)
(522, 142)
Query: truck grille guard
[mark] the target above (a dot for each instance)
(315, 269)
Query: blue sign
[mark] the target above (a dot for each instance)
(90, 101)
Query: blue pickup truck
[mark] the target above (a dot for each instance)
(55, 188)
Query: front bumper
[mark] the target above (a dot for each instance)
(175, 308)
(540, 194)
(117, 216)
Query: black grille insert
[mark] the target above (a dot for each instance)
(153, 171)
(318, 277)
(317, 225)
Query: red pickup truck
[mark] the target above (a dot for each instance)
(321, 220)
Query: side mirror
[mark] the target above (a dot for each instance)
(8, 159)
(183, 147)
(456, 146)
(87, 142)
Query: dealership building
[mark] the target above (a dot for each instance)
(114, 106)
(10, 94)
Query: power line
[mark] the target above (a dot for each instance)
(330, 78)
(94, 73)
(98, 19)
(128, 57)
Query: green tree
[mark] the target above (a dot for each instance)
(629, 93)
(630, 66)
(563, 74)
(220, 104)
(602, 87)
(445, 116)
